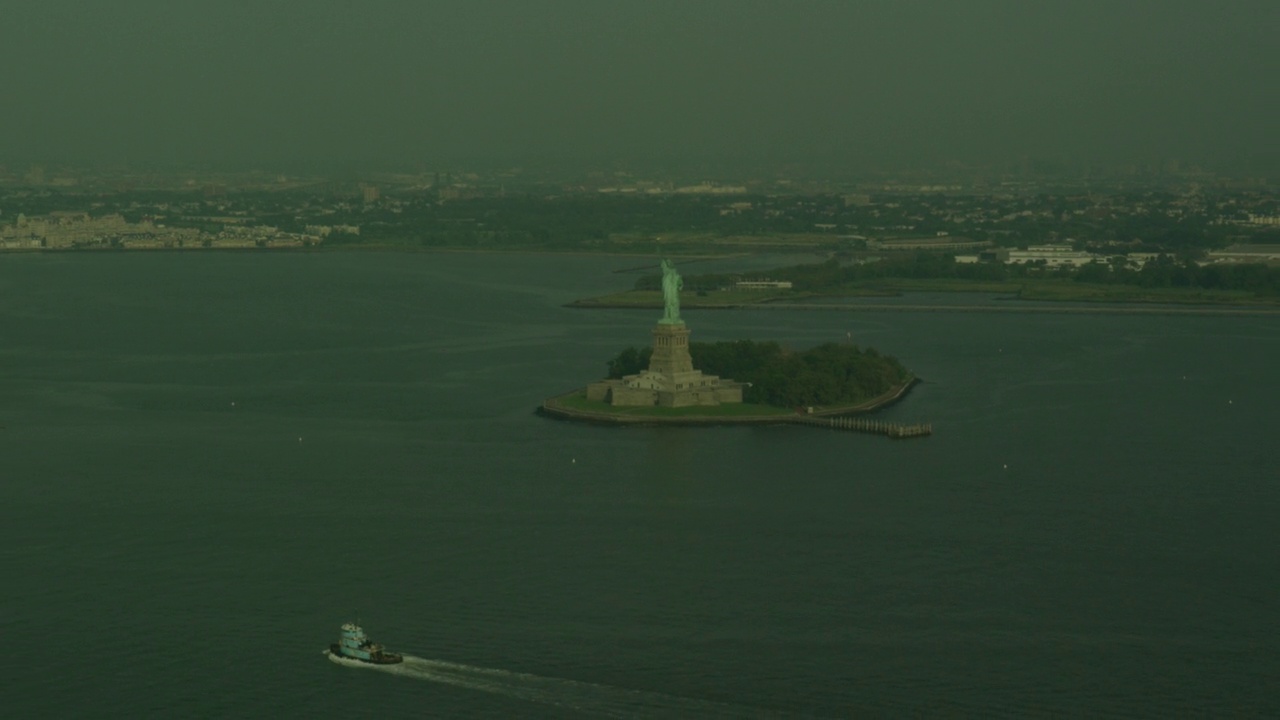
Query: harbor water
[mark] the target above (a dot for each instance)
(209, 462)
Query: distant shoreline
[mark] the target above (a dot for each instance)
(1049, 306)
(408, 249)
(1136, 307)
(1110, 306)
(1161, 306)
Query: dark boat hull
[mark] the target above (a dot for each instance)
(382, 658)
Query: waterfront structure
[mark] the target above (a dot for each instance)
(670, 380)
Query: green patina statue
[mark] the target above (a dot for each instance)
(671, 284)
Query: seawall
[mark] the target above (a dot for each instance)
(554, 407)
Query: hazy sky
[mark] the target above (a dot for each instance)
(267, 82)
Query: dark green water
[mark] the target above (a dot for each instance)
(209, 462)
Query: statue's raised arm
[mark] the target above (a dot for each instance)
(671, 285)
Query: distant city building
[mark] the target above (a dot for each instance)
(1051, 255)
(370, 193)
(323, 231)
(70, 229)
(1137, 260)
(711, 189)
(936, 242)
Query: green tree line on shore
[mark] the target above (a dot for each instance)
(1161, 272)
(829, 374)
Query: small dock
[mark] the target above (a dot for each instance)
(894, 430)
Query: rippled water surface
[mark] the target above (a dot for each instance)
(210, 461)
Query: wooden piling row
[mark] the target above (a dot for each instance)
(894, 430)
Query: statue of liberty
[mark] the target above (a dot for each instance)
(671, 285)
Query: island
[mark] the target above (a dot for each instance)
(674, 381)
(1226, 289)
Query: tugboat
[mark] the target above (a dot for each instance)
(355, 645)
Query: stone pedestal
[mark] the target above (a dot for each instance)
(670, 350)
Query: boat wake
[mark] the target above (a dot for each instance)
(584, 697)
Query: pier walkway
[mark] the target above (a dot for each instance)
(894, 430)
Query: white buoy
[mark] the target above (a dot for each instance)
(574, 461)
(1006, 466)
(299, 439)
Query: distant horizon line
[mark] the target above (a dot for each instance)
(1027, 165)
